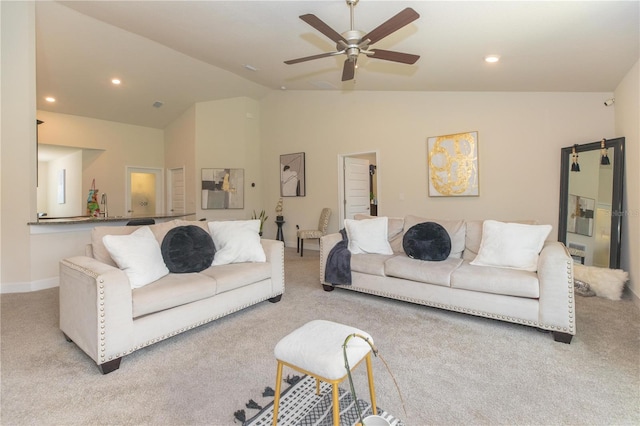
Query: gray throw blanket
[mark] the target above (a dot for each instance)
(338, 268)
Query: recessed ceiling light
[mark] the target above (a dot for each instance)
(492, 58)
(115, 81)
(50, 99)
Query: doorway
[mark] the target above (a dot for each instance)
(144, 191)
(358, 189)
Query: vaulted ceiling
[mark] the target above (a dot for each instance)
(182, 52)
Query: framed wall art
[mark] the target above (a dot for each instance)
(580, 215)
(292, 178)
(453, 165)
(222, 189)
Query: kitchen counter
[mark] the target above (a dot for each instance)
(97, 220)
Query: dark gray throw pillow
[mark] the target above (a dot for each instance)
(187, 249)
(427, 241)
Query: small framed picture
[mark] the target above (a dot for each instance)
(292, 179)
(222, 189)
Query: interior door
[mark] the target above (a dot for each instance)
(176, 191)
(144, 191)
(356, 187)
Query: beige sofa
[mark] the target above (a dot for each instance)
(543, 298)
(107, 319)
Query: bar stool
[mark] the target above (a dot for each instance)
(316, 349)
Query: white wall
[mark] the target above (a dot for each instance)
(520, 137)
(627, 124)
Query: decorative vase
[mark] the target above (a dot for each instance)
(373, 420)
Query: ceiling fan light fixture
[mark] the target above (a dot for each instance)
(492, 59)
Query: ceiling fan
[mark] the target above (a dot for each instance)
(354, 42)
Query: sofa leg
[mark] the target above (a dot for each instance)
(275, 299)
(110, 366)
(562, 337)
(327, 287)
(67, 338)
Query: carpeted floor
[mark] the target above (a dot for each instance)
(452, 368)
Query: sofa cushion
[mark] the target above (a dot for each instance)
(395, 225)
(372, 264)
(427, 241)
(236, 275)
(455, 228)
(101, 253)
(474, 237)
(170, 291)
(368, 235)
(437, 273)
(511, 245)
(138, 255)
(187, 249)
(236, 241)
(487, 279)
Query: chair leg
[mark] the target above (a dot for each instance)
(336, 405)
(276, 398)
(298, 246)
(301, 246)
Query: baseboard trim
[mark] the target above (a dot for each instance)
(26, 287)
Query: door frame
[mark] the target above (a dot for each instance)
(341, 199)
(170, 172)
(159, 172)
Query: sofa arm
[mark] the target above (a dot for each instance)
(274, 250)
(96, 308)
(327, 242)
(555, 274)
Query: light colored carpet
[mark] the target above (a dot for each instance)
(452, 368)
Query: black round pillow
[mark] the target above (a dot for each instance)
(427, 241)
(187, 249)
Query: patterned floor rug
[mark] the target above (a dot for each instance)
(300, 406)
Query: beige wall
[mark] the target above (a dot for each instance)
(227, 136)
(18, 138)
(180, 151)
(520, 136)
(114, 146)
(627, 124)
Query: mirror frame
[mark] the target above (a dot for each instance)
(616, 203)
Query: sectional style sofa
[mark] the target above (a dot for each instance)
(483, 275)
(114, 300)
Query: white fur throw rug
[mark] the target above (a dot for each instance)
(604, 282)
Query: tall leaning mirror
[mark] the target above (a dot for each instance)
(590, 217)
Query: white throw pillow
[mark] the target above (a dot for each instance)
(236, 241)
(368, 235)
(511, 245)
(138, 255)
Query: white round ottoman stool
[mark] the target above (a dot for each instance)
(316, 349)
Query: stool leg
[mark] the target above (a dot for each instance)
(372, 390)
(336, 405)
(301, 246)
(298, 247)
(276, 398)
(317, 386)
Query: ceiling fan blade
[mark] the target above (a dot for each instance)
(393, 24)
(310, 58)
(389, 55)
(325, 29)
(349, 70)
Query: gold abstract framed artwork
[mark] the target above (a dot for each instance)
(453, 165)
(222, 189)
